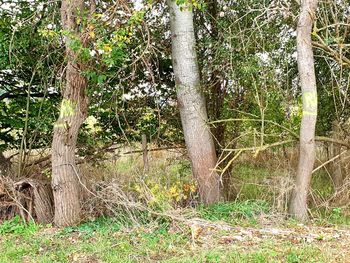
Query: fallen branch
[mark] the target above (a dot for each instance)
(156, 149)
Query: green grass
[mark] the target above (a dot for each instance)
(155, 240)
(264, 254)
(322, 184)
(16, 226)
(236, 212)
(331, 217)
(113, 240)
(141, 245)
(100, 240)
(252, 178)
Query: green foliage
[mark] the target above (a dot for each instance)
(331, 217)
(107, 241)
(252, 178)
(89, 229)
(148, 122)
(27, 65)
(336, 213)
(191, 4)
(171, 186)
(322, 184)
(235, 212)
(17, 227)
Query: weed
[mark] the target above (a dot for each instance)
(234, 212)
(88, 229)
(17, 227)
(334, 216)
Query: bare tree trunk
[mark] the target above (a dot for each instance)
(336, 165)
(191, 101)
(298, 205)
(74, 106)
(41, 198)
(5, 164)
(144, 153)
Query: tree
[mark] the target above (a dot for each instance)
(298, 205)
(28, 93)
(191, 101)
(73, 111)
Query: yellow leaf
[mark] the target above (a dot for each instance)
(92, 34)
(107, 48)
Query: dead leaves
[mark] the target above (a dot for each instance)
(206, 233)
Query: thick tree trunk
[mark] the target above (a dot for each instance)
(74, 106)
(191, 101)
(298, 204)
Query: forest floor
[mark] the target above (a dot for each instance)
(257, 237)
(246, 230)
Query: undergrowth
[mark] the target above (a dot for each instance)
(109, 240)
(18, 227)
(144, 236)
(235, 212)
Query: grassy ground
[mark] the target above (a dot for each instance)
(232, 232)
(238, 231)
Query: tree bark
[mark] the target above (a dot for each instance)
(336, 165)
(41, 198)
(298, 204)
(5, 164)
(74, 106)
(191, 101)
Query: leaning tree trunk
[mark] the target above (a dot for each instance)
(298, 205)
(191, 101)
(74, 106)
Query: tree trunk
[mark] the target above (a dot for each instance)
(5, 164)
(298, 205)
(336, 165)
(145, 153)
(217, 91)
(215, 106)
(191, 101)
(40, 198)
(74, 106)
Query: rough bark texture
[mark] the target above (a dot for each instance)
(41, 198)
(298, 205)
(74, 106)
(5, 165)
(191, 101)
